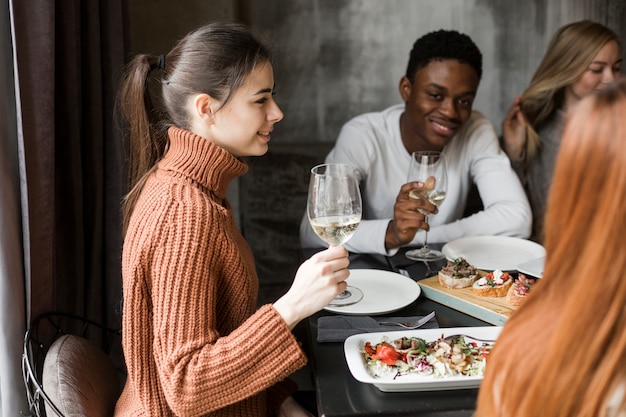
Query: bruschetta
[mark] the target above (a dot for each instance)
(520, 289)
(494, 284)
(457, 274)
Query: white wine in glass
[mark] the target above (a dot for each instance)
(335, 230)
(334, 210)
(430, 169)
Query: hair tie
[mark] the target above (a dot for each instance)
(161, 63)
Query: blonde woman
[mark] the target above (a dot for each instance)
(581, 57)
(563, 353)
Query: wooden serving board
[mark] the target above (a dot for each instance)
(494, 310)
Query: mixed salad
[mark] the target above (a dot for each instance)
(436, 359)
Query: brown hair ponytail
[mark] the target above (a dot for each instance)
(146, 144)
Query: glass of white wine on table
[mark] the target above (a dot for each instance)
(430, 169)
(334, 210)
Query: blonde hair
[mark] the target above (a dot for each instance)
(569, 54)
(563, 353)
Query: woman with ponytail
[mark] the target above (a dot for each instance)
(194, 342)
(581, 57)
(563, 352)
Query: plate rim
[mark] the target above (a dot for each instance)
(541, 251)
(526, 267)
(357, 369)
(346, 310)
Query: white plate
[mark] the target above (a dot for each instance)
(493, 252)
(534, 267)
(383, 292)
(353, 347)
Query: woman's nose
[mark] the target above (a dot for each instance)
(275, 114)
(609, 75)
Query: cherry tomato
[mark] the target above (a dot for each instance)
(484, 353)
(387, 354)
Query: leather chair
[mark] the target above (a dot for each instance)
(69, 367)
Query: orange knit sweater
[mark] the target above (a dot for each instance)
(193, 343)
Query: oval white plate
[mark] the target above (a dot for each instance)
(493, 252)
(383, 292)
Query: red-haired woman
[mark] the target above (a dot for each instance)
(563, 353)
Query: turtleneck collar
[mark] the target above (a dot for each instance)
(201, 160)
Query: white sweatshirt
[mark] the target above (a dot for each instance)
(371, 143)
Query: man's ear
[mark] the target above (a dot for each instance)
(405, 88)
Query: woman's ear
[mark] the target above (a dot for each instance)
(204, 107)
(405, 88)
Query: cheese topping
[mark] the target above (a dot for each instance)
(496, 278)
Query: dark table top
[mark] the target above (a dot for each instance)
(339, 394)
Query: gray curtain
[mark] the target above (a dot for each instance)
(62, 174)
(12, 312)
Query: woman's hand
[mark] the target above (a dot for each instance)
(514, 131)
(407, 220)
(318, 280)
(291, 408)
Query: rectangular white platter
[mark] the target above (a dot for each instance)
(353, 348)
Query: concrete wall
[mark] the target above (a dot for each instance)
(339, 58)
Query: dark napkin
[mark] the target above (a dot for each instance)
(338, 328)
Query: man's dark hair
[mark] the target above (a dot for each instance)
(444, 44)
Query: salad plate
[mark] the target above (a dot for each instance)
(493, 252)
(383, 292)
(354, 345)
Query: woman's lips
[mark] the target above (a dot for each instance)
(264, 135)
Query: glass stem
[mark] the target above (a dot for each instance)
(425, 248)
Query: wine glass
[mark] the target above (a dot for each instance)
(430, 169)
(334, 209)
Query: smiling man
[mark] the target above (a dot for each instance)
(438, 91)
